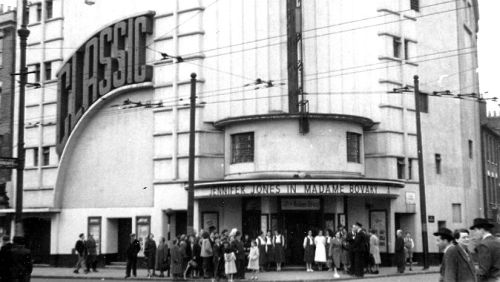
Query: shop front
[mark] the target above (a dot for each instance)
(296, 206)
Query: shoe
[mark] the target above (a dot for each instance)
(336, 275)
(126, 276)
(95, 270)
(75, 272)
(86, 272)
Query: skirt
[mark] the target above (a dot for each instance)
(262, 256)
(270, 254)
(309, 254)
(253, 264)
(230, 267)
(279, 254)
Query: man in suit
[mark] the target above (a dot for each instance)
(5, 259)
(133, 249)
(399, 255)
(488, 250)
(81, 250)
(456, 265)
(239, 250)
(358, 251)
(21, 263)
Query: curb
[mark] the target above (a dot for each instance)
(70, 277)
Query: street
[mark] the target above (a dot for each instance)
(420, 277)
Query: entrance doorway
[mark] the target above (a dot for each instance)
(37, 234)
(124, 231)
(295, 227)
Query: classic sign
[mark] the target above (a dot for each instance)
(113, 57)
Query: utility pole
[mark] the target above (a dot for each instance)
(421, 180)
(23, 33)
(192, 118)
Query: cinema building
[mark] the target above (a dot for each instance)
(297, 125)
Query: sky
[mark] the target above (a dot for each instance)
(488, 48)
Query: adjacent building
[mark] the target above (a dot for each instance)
(7, 87)
(298, 124)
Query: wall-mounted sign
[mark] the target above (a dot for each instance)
(378, 222)
(276, 188)
(113, 57)
(431, 219)
(143, 228)
(410, 198)
(300, 204)
(94, 228)
(210, 221)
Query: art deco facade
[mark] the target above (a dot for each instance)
(295, 128)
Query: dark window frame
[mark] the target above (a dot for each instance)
(400, 164)
(35, 157)
(410, 167)
(47, 68)
(471, 149)
(49, 9)
(438, 161)
(396, 47)
(38, 12)
(415, 5)
(353, 147)
(242, 147)
(46, 156)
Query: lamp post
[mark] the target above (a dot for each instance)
(23, 33)
(421, 180)
(192, 118)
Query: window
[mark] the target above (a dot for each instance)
(410, 167)
(414, 5)
(48, 70)
(353, 147)
(36, 69)
(441, 224)
(437, 158)
(1, 51)
(48, 9)
(401, 168)
(28, 15)
(46, 155)
(470, 149)
(457, 212)
(35, 156)
(396, 45)
(242, 148)
(424, 102)
(407, 53)
(39, 12)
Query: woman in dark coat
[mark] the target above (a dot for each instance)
(176, 259)
(162, 263)
(261, 243)
(309, 249)
(150, 254)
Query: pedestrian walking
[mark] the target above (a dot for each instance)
(162, 257)
(409, 246)
(253, 260)
(309, 251)
(457, 265)
(488, 250)
(132, 250)
(320, 252)
(336, 253)
(5, 258)
(374, 251)
(176, 260)
(206, 255)
(261, 243)
(91, 260)
(444, 242)
(359, 251)
(21, 263)
(229, 262)
(269, 250)
(279, 249)
(81, 252)
(399, 250)
(150, 254)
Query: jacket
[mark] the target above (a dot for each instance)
(457, 266)
(80, 247)
(133, 249)
(488, 254)
(206, 248)
(91, 247)
(21, 263)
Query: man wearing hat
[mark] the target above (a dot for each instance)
(399, 252)
(456, 264)
(488, 250)
(133, 249)
(359, 249)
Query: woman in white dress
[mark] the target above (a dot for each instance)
(320, 254)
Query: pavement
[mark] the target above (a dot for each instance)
(62, 273)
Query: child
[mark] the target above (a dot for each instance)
(229, 258)
(253, 260)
